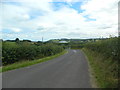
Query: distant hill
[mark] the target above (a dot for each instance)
(75, 40)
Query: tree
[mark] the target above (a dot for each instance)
(26, 40)
(17, 40)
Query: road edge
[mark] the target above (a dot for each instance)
(29, 63)
(91, 72)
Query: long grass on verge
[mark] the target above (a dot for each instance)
(28, 63)
(104, 69)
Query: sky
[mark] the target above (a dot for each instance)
(55, 19)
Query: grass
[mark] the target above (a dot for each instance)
(28, 63)
(92, 78)
(103, 69)
(0, 69)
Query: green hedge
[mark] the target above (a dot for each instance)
(13, 52)
(104, 57)
(108, 48)
(78, 46)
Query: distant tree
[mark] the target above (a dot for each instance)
(17, 40)
(39, 42)
(10, 40)
(26, 40)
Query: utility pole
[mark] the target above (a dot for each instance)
(42, 40)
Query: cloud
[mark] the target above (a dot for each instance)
(105, 13)
(37, 18)
(16, 30)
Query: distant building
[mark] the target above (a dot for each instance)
(63, 42)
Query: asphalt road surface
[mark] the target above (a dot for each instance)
(67, 71)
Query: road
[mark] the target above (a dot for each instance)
(67, 71)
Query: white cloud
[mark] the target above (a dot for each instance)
(15, 29)
(105, 12)
(66, 22)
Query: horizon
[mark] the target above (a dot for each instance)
(58, 39)
(52, 19)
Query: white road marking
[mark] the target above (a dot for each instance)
(74, 51)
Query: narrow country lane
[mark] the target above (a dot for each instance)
(67, 71)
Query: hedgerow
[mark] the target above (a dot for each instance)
(109, 48)
(104, 58)
(13, 52)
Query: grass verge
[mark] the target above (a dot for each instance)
(0, 69)
(92, 78)
(28, 63)
(104, 69)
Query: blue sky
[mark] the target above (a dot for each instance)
(75, 5)
(34, 19)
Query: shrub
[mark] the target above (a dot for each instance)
(105, 56)
(13, 52)
(109, 48)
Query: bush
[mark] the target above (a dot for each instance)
(105, 57)
(109, 48)
(13, 52)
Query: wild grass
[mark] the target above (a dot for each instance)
(104, 69)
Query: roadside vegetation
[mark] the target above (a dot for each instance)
(103, 57)
(102, 53)
(16, 53)
(28, 62)
(20, 51)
